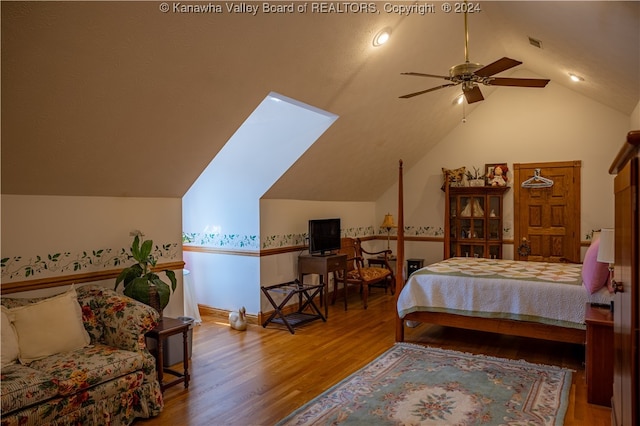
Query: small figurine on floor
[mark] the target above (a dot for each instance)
(238, 320)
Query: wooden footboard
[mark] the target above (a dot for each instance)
(502, 326)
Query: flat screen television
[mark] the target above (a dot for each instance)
(324, 236)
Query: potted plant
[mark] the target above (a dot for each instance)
(141, 282)
(475, 178)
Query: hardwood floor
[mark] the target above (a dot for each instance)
(259, 376)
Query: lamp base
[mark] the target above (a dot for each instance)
(610, 282)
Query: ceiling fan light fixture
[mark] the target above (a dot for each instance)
(470, 75)
(458, 99)
(575, 77)
(382, 37)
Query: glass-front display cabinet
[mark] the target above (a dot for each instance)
(473, 221)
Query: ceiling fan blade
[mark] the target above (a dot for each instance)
(419, 74)
(496, 67)
(518, 82)
(411, 95)
(473, 95)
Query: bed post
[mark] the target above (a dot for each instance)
(400, 256)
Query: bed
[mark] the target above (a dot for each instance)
(529, 299)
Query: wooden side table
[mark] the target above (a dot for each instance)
(413, 265)
(599, 355)
(165, 328)
(323, 265)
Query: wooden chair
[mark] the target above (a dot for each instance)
(358, 273)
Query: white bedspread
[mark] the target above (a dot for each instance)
(550, 293)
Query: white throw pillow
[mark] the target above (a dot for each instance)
(9, 351)
(49, 327)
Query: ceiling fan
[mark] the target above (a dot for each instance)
(471, 74)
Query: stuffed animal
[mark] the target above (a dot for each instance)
(238, 320)
(454, 177)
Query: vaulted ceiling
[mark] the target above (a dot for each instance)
(123, 99)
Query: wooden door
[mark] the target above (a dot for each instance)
(549, 218)
(626, 312)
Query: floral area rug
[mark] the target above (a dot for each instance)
(417, 385)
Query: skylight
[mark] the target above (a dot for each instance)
(226, 195)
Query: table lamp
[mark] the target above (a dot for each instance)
(606, 253)
(387, 223)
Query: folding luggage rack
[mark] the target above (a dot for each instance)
(306, 293)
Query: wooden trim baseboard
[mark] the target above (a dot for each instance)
(51, 282)
(222, 315)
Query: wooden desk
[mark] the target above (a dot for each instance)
(165, 328)
(323, 265)
(599, 355)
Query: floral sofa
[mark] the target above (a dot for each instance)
(110, 380)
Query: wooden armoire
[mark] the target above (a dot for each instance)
(626, 309)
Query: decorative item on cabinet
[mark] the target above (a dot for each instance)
(496, 174)
(475, 178)
(453, 177)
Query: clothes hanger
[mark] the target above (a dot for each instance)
(537, 181)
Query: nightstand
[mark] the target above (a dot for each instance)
(599, 355)
(165, 328)
(413, 265)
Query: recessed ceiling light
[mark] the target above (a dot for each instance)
(575, 77)
(382, 37)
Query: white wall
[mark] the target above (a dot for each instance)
(58, 236)
(222, 209)
(225, 281)
(229, 281)
(635, 118)
(516, 125)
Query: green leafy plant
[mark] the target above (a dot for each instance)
(140, 277)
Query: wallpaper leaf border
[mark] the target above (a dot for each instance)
(255, 242)
(37, 266)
